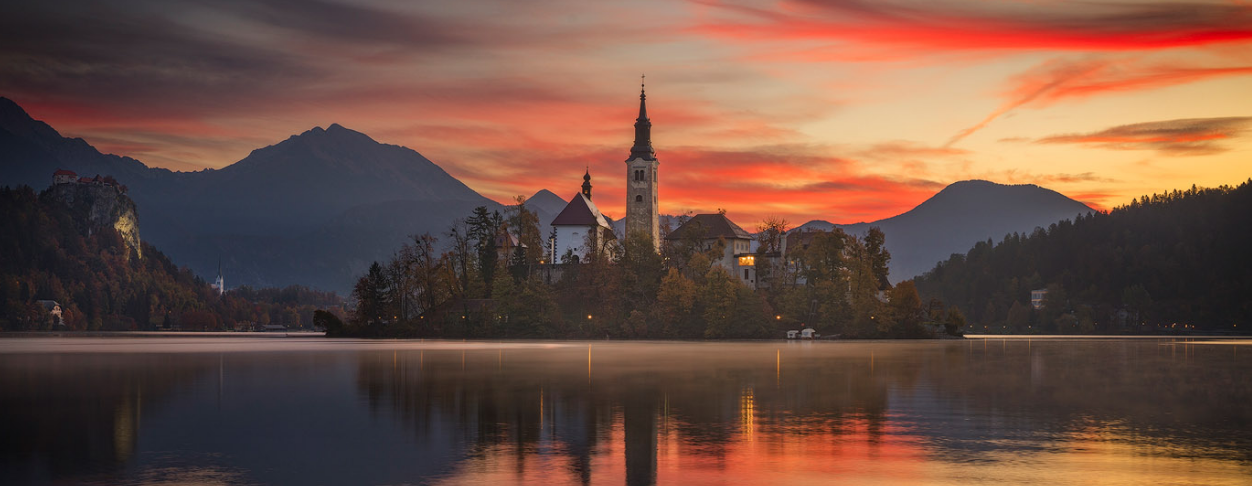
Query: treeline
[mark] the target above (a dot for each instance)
(102, 284)
(1173, 262)
(486, 284)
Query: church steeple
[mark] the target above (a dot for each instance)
(643, 130)
(587, 183)
(642, 179)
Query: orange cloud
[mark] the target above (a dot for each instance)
(1194, 136)
(1066, 79)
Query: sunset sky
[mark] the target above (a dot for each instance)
(847, 111)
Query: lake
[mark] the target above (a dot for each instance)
(272, 410)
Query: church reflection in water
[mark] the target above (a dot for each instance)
(633, 413)
(756, 413)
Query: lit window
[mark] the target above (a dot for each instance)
(747, 261)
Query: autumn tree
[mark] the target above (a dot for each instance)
(675, 303)
(905, 313)
(484, 227)
(879, 257)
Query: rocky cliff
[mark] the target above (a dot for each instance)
(96, 206)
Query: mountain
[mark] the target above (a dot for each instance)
(1174, 262)
(546, 205)
(315, 209)
(546, 201)
(960, 215)
(74, 253)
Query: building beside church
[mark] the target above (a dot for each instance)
(642, 180)
(579, 225)
(707, 229)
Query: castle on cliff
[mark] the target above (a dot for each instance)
(62, 176)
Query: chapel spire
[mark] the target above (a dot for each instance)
(643, 130)
(587, 183)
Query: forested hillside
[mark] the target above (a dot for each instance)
(1169, 262)
(47, 253)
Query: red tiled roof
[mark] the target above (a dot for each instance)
(710, 226)
(65, 172)
(580, 212)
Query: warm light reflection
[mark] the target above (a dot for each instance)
(1059, 411)
(747, 412)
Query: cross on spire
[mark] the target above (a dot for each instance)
(643, 129)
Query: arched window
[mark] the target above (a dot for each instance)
(638, 198)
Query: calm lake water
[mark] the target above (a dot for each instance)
(264, 410)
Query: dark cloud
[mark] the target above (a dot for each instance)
(1193, 136)
(128, 55)
(350, 22)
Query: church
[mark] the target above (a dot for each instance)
(581, 222)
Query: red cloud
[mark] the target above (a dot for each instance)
(985, 26)
(1065, 79)
(797, 183)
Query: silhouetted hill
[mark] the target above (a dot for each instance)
(78, 245)
(546, 201)
(314, 209)
(960, 215)
(1162, 263)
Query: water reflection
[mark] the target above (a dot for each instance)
(395, 412)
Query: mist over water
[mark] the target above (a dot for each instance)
(250, 410)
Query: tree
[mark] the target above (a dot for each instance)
(484, 228)
(426, 273)
(729, 308)
(1137, 302)
(1019, 317)
(771, 275)
(770, 234)
(905, 312)
(641, 268)
(331, 323)
(372, 294)
(954, 322)
(675, 301)
(458, 257)
(1172, 257)
(525, 226)
(879, 257)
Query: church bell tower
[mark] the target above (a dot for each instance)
(642, 180)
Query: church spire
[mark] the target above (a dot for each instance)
(587, 183)
(643, 130)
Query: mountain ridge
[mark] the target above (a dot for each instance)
(932, 231)
(306, 193)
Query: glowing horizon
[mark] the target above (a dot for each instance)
(845, 111)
